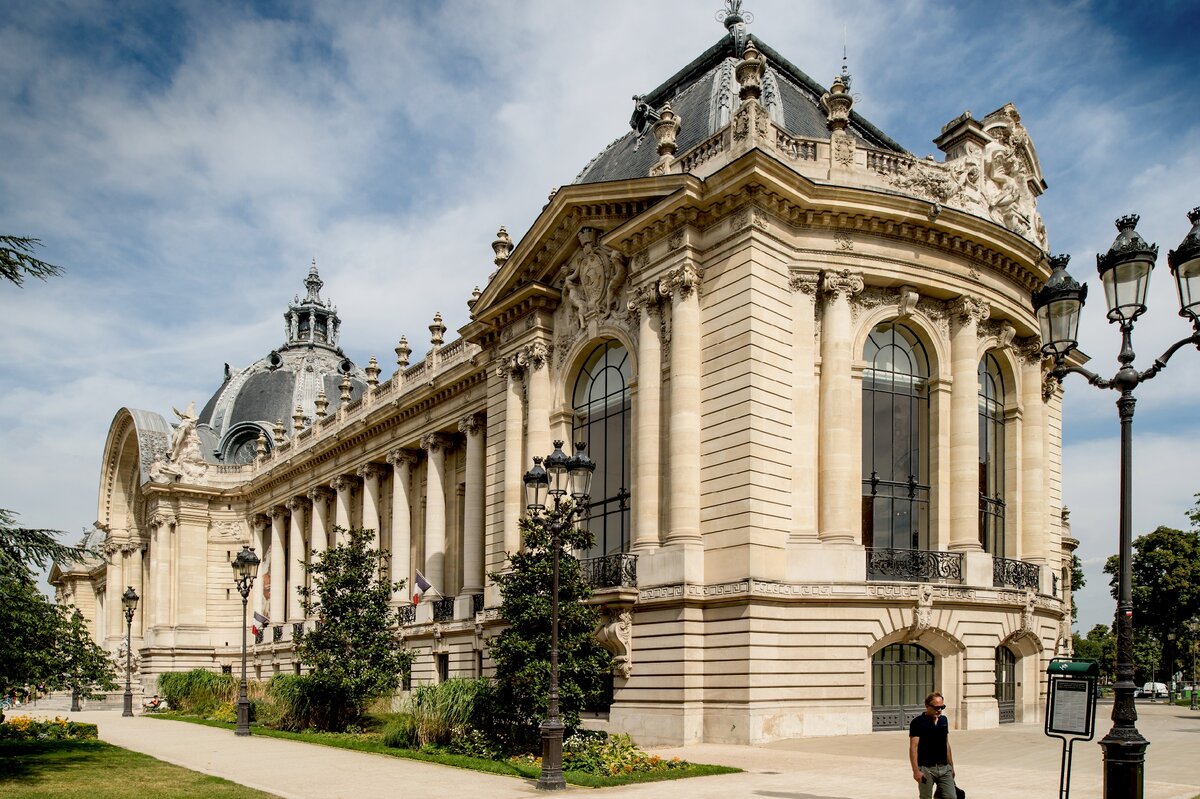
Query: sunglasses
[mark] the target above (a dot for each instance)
(936, 707)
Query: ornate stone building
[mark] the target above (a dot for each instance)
(805, 362)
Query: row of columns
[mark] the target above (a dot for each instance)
(283, 532)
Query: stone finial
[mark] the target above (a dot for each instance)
(437, 331)
(666, 129)
(260, 446)
(278, 430)
(837, 103)
(402, 352)
(750, 72)
(475, 295)
(502, 246)
(345, 390)
(297, 420)
(322, 403)
(372, 371)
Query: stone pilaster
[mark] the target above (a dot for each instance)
(435, 445)
(161, 564)
(537, 375)
(370, 474)
(839, 506)
(683, 422)
(278, 599)
(260, 538)
(804, 284)
(647, 444)
(966, 314)
(514, 424)
(1034, 512)
(400, 542)
(473, 427)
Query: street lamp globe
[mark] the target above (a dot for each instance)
(1058, 305)
(581, 468)
(129, 601)
(558, 466)
(536, 484)
(245, 569)
(1185, 266)
(1125, 271)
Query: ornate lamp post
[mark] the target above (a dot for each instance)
(1125, 272)
(245, 569)
(129, 600)
(77, 617)
(559, 476)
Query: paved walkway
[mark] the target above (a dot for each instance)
(1015, 760)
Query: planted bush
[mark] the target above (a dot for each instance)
(612, 755)
(197, 692)
(444, 710)
(306, 701)
(23, 728)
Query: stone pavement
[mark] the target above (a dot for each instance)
(1015, 760)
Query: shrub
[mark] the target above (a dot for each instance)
(198, 692)
(307, 701)
(400, 732)
(23, 728)
(612, 755)
(444, 711)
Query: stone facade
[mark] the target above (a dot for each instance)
(742, 278)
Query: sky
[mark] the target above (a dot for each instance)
(185, 162)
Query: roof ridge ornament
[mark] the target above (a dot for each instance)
(735, 21)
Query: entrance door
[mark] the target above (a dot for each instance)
(901, 678)
(1006, 684)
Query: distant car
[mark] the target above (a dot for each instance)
(1151, 690)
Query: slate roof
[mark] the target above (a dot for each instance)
(705, 93)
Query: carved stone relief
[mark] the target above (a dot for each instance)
(594, 281)
(616, 635)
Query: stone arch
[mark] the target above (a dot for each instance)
(135, 440)
(948, 650)
(927, 330)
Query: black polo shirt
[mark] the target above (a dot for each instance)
(931, 735)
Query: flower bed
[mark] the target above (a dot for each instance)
(23, 728)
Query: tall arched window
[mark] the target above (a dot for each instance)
(602, 419)
(991, 456)
(895, 440)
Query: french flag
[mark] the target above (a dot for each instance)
(423, 586)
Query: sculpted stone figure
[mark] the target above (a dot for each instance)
(185, 458)
(595, 283)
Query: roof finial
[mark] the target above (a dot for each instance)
(313, 283)
(845, 62)
(732, 14)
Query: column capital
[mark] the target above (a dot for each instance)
(969, 309)
(509, 368)
(161, 518)
(683, 280)
(278, 511)
(343, 482)
(841, 283)
(646, 299)
(319, 494)
(404, 457)
(805, 280)
(297, 504)
(261, 520)
(472, 424)
(370, 471)
(1029, 350)
(535, 356)
(432, 442)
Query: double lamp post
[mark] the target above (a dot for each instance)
(245, 569)
(129, 601)
(558, 476)
(1125, 272)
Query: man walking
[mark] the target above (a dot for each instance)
(929, 749)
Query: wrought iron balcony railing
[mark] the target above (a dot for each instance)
(258, 636)
(1014, 573)
(276, 633)
(407, 614)
(297, 630)
(610, 571)
(476, 603)
(913, 565)
(443, 609)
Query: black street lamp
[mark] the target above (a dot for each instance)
(77, 617)
(245, 569)
(129, 600)
(1125, 271)
(560, 476)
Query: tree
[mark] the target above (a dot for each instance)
(1078, 581)
(1166, 589)
(86, 668)
(17, 261)
(522, 651)
(1100, 645)
(352, 651)
(23, 547)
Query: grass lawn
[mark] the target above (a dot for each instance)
(96, 770)
(371, 743)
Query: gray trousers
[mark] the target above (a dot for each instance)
(942, 776)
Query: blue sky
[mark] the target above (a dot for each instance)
(187, 161)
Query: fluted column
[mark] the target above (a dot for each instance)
(1034, 514)
(966, 312)
(261, 536)
(278, 600)
(683, 421)
(435, 445)
(344, 486)
(296, 557)
(804, 284)
(537, 378)
(839, 505)
(514, 453)
(472, 550)
(648, 415)
(318, 534)
(370, 474)
(402, 461)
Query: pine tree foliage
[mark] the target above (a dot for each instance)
(17, 261)
(521, 653)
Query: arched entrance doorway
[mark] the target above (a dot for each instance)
(1006, 684)
(901, 677)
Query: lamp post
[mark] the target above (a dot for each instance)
(559, 476)
(77, 618)
(129, 600)
(1125, 272)
(245, 569)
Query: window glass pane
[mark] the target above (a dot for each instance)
(603, 419)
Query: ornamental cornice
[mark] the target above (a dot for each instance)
(969, 309)
(472, 424)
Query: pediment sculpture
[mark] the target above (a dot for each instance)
(594, 282)
(184, 459)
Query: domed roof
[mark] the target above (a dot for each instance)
(310, 365)
(704, 96)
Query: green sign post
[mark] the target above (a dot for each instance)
(1071, 709)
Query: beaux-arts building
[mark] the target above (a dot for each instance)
(805, 362)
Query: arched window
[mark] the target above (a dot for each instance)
(901, 677)
(991, 456)
(1006, 684)
(603, 419)
(895, 440)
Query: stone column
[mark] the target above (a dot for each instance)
(537, 376)
(370, 474)
(1034, 513)
(804, 284)
(647, 442)
(318, 535)
(402, 461)
(133, 577)
(297, 553)
(278, 612)
(435, 445)
(472, 551)
(966, 314)
(839, 506)
(161, 565)
(514, 455)
(113, 622)
(683, 422)
(344, 486)
(260, 537)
